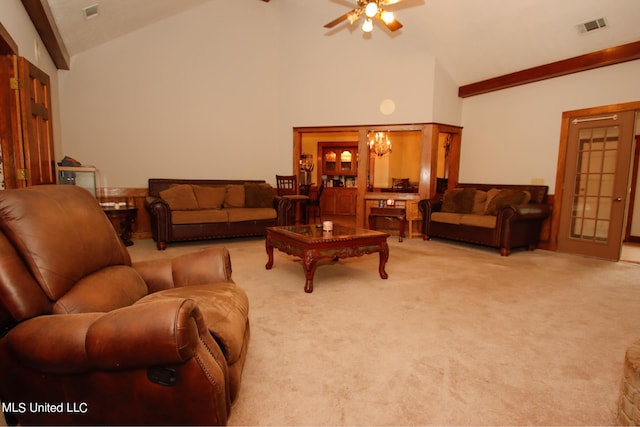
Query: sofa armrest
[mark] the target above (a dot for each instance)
(526, 212)
(160, 217)
(209, 265)
(286, 209)
(427, 207)
(137, 336)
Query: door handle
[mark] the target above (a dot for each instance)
(617, 199)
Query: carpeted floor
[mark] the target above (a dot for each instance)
(457, 335)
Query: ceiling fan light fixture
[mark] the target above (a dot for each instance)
(387, 17)
(367, 25)
(371, 9)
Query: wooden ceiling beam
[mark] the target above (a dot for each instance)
(42, 18)
(590, 61)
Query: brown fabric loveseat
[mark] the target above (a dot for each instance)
(501, 216)
(198, 209)
(88, 338)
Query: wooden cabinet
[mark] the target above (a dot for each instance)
(340, 160)
(339, 201)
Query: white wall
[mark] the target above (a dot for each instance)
(17, 23)
(513, 135)
(187, 98)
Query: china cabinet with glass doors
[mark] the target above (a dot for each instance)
(339, 169)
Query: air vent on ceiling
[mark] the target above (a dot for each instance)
(594, 25)
(91, 11)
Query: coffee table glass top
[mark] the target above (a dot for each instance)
(313, 233)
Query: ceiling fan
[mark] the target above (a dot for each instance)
(370, 9)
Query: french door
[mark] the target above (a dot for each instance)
(596, 182)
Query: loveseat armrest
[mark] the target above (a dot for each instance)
(209, 265)
(427, 207)
(137, 336)
(286, 209)
(528, 211)
(160, 218)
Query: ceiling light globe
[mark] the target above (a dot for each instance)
(367, 26)
(371, 9)
(387, 17)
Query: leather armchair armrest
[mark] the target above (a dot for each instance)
(137, 336)
(209, 265)
(286, 209)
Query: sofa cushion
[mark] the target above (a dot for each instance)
(258, 195)
(201, 216)
(503, 198)
(234, 196)
(180, 197)
(251, 214)
(459, 200)
(484, 221)
(479, 202)
(447, 217)
(209, 197)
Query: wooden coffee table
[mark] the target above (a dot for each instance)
(311, 244)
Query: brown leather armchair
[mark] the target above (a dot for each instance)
(88, 338)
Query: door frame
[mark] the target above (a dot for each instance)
(567, 116)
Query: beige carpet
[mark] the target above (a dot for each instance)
(456, 336)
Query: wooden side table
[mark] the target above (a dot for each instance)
(122, 220)
(387, 212)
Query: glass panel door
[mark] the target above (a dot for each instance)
(596, 183)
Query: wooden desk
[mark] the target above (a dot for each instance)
(388, 212)
(407, 201)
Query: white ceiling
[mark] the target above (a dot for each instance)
(473, 39)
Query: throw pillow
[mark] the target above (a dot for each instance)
(479, 202)
(209, 197)
(458, 200)
(258, 195)
(234, 196)
(506, 197)
(180, 197)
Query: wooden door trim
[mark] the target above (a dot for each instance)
(567, 116)
(632, 194)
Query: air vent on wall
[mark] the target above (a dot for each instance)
(594, 25)
(91, 11)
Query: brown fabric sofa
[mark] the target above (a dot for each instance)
(501, 216)
(198, 209)
(102, 341)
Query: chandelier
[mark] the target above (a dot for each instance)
(379, 143)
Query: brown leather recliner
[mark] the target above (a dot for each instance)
(88, 338)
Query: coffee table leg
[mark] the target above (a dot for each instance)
(269, 247)
(384, 256)
(309, 263)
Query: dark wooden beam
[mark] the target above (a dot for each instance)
(590, 61)
(40, 14)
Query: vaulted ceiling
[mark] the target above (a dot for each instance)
(474, 40)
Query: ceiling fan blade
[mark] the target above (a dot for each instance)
(394, 25)
(339, 20)
(266, 1)
(388, 2)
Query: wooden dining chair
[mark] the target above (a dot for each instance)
(286, 185)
